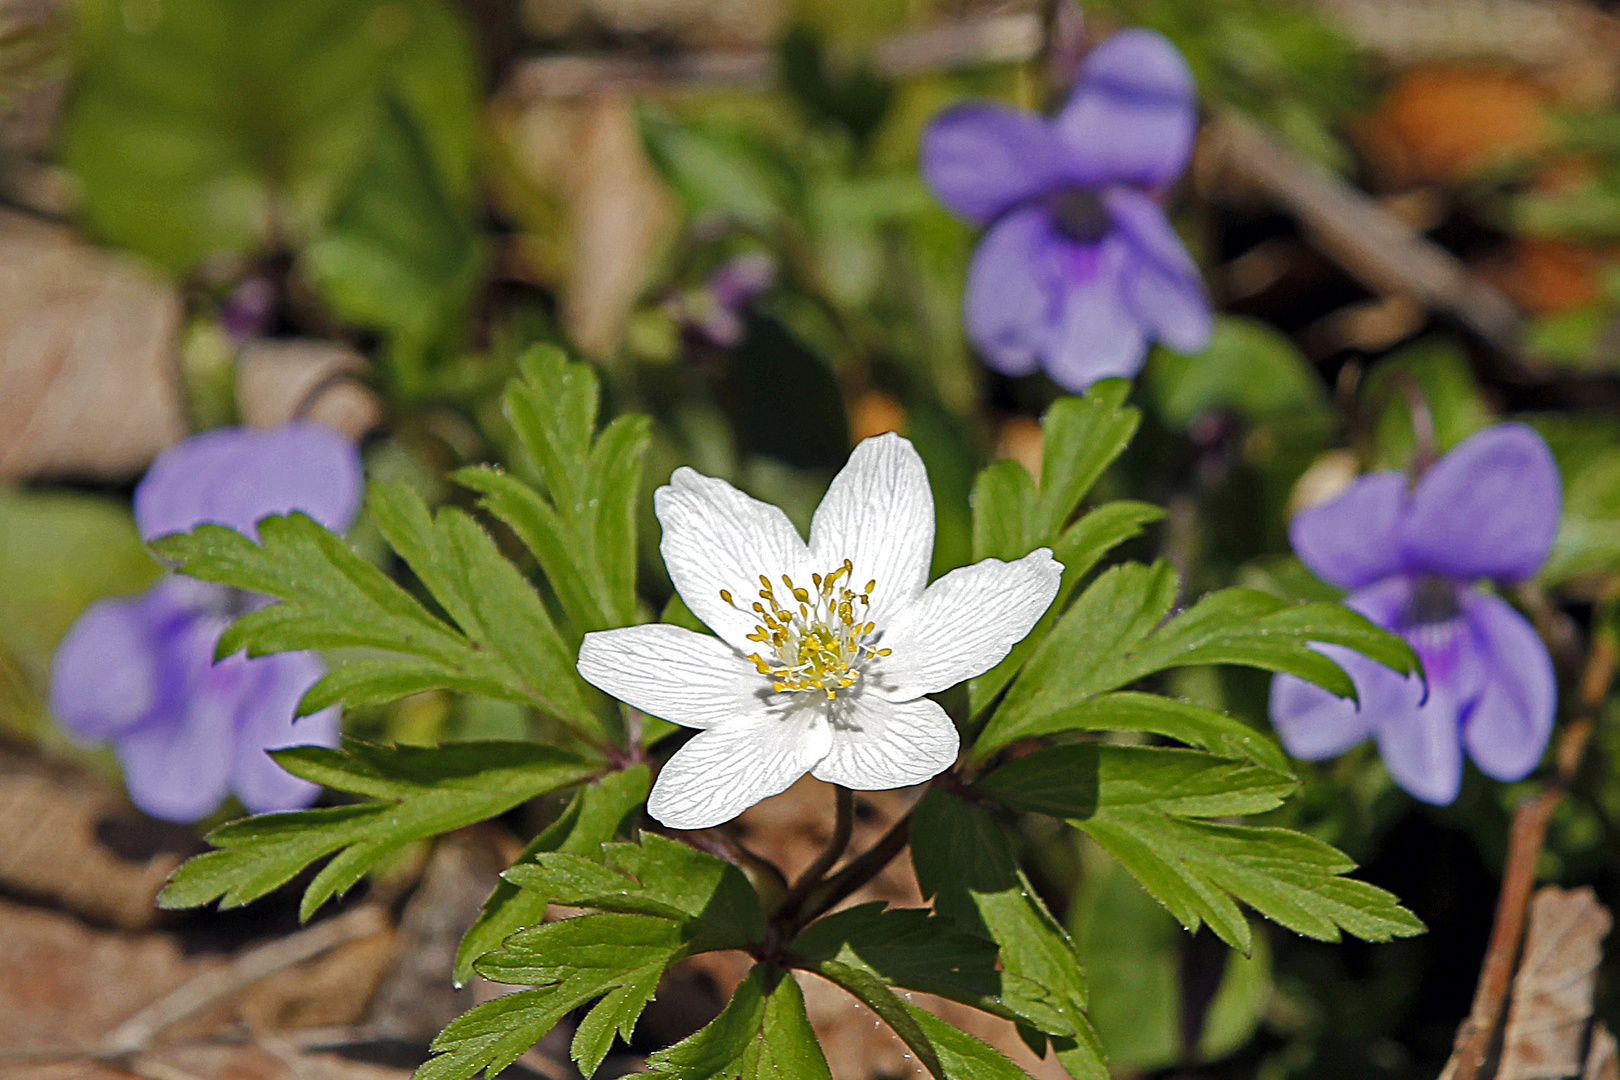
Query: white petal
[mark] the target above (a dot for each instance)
(730, 767)
(879, 514)
(964, 624)
(878, 744)
(715, 537)
(673, 673)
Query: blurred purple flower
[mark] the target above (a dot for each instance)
(1080, 269)
(138, 671)
(715, 312)
(1410, 556)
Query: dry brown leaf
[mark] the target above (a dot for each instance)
(1444, 123)
(1602, 1055)
(329, 991)
(1552, 992)
(89, 384)
(73, 839)
(278, 381)
(67, 984)
(618, 213)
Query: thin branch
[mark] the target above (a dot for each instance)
(843, 828)
(1525, 842)
(137, 1032)
(1372, 244)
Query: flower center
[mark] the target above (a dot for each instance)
(818, 640)
(1434, 600)
(1079, 215)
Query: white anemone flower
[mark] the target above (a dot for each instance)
(824, 651)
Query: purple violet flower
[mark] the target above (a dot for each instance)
(139, 671)
(1410, 556)
(1080, 269)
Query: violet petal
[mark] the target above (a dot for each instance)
(105, 674)
(1161, 284)
(176, 763)
(265, 722)
(1507, 729)
(1133, 112)
(983, 158)
(1488, 508)
(1313, 723)
(1099, 336)
(1353, 539)
(1010, 308)
(236, 476)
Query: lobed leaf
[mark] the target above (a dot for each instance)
(1198, 870)
(597, 813)
(425, 791)
(1116, 633)
(762, 1034)
(1080, 780)
(965, 863)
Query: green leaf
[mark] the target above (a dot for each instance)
(1198, 870)
(598, 812)
(963, 1057)
(760, 1035)
(503, 646)
(424, 791)
(617, 958)
(707, 895)
(1080, 780)
(1249, 368)
(580, 522)
(1193, 724)
(965, 863)
(912, 948)
(399, 253)
(1006, 523)
(199, 129)
(871, 991)
(1079, 548)
(1112, 636)
(1082, 437)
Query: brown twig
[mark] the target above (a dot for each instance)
(137, 1032)
(1372, 244)
(1528, 834)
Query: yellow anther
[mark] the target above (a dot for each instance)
(725, 595)
(870, 585)
(885, 652)
(801, 596)
(816, 578)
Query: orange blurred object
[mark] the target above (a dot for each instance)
(874, 413)
(1446, 122)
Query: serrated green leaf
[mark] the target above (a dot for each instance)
(965, 863)
(915, 949)
(960, 1055)
(427, 791)
(1196, 725)
(657, 876)
(1079, 548)
(1081, 438)
(1006, 513)
(503, 645)
(871, 991)
(1079, 780)
(1196, 869)
(618, 958)
(1113, 636)
(760, 1035)
(596, 814)
(580, 522)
